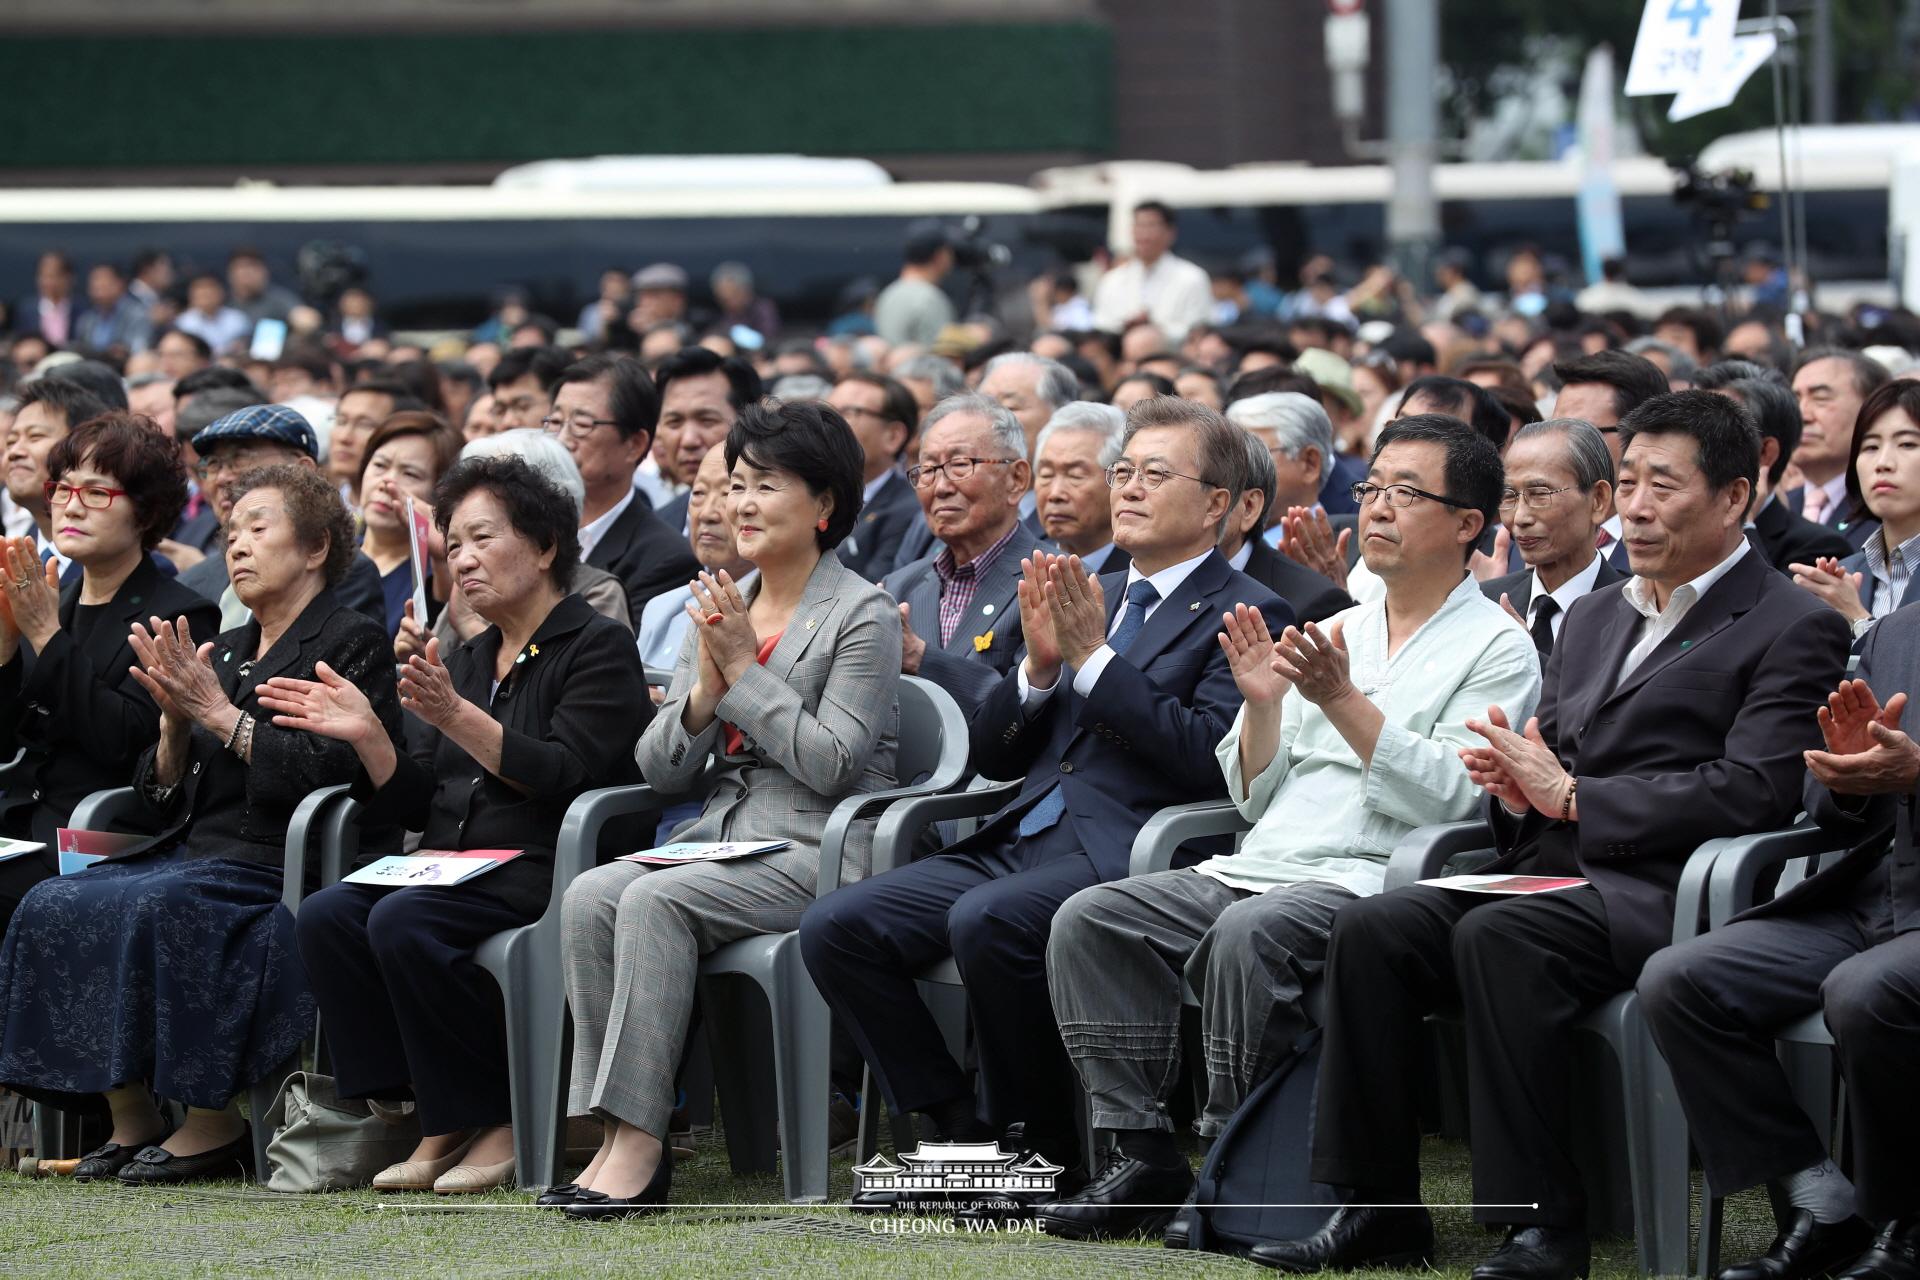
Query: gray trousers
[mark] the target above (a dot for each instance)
(634, 936)
(1120, 955)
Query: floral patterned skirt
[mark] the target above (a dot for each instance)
(166, 968)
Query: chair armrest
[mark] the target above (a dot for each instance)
(833, 840)
(659, 677)
(9, 766)
(1425, 852)
(902, 823)
(587, 817)
(102, 810)
(1690, 895)
(1740, 861)
(306, 822)
(1167, 830)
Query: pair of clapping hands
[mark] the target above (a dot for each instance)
(1304, 658)
(723, 631)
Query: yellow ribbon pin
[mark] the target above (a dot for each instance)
(983, 643)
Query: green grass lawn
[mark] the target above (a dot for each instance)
(57, 1228)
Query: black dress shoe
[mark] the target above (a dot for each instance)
(1894, 1254)
(1356, 1236)
(1002, 1207)
(595, 1206)
(1538, 1253)
(1806, 1248)
(554, 1197)
(108, 1159)
(1127, 1197)
(156, 1166)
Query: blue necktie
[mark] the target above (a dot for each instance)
(1053, 804)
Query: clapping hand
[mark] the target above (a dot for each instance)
(1517, 768)
(31, 591)
(1317, 664)
(1036, 622)
(1828, 581)
(1485, 567)
(426, 689)
(330, 706)
(1308, 539)
(1079, 609)
(1867, 753)
(179, 677)
(720, 612)
(1252, 656)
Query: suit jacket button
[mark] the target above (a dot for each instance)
(196, 767)
(1066, 766)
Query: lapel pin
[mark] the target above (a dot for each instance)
(811, 622)
(986, 611)
(1194, 607)
(227, 656)
(1686, 644)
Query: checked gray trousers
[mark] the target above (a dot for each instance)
(1116, 961)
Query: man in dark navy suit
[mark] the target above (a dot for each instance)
(1113, 713)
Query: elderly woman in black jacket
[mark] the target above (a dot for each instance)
(67, 699)
(544, 704)
(173, 965)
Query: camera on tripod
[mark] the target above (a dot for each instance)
(1717, 202)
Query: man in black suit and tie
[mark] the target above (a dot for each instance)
(1311, 596)
(1845, 942)
(604, 412)
(1559, 488)
(1603, 389)
(1831, 384)
(881, 413)
(1123, 694)
(701, 392)
(1674, 710)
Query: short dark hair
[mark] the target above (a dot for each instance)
(319, 518)
(96, 377)
(515, 363)
(1775, 414)
(1725, 439)
(130, 448)
(896, 402)
(1159, 382)
(1275, 377)
(73, 402)
(1869, 375)
(404, 401)
(1222, 455)
(1467, 401)
(1724, 373)
(1634, 379)
(421, 380)
(1895, 393)
(1707, 334)
(201, 346)
(1167, 215)
(807, 439)
(1475, 475)
(743, 384)
(424, 423)
(217, 376)
(925, 238)
(538, 509)
(631, 395)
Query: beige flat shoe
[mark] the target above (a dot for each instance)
(468, 1178)
(418, 1175)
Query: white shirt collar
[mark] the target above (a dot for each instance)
(1639, 591)
(1168, 580)
(1613, 526)
(1570, 590)
(1239, 558)
(592, 532)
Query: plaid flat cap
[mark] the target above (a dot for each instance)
(275, 422)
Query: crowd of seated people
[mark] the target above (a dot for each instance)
(1602, 602)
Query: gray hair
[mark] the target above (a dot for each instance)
(544, 453)
(1679, 363)
(1056, 385)
(1298, 421)
(1261, 475)
(1007, 431)
(1587, 454)
(943, 373)
(801, 386)
(1101, 420)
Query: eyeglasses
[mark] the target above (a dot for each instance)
(236, 461)
(1399, 496)
(93, 497)
(957, 469)
(1122, 474)
(576, 428)
(1537, 497)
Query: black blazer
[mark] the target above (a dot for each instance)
(82, 719)
(1145, 738)
(1518, 587)
(645, 555)
(571, 709)
(1787, 537)
(1703, 739)
(287, 764)
(869, 550)
(1311, 596)
(674, 514)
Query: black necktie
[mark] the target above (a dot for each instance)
(1542, 628)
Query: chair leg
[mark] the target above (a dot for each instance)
(50, 1140)
(872, 1105)
(1707, 1256)
(537, 1047)
(802, 1031)
(1656, 1142)
(740, 1039)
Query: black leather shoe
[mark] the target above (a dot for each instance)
(554, 1197)
(1127, 1197)
(595, 1206)
(1538, 1253)
(156, 1166)
(108, 1159)
(1003, 1207)
(1894, 1254)
(1356, 1236)
(1805, 1249)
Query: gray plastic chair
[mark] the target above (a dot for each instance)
(1805, 1044)
(325, 817)
(775, 1064)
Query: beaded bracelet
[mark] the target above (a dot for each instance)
(1566, 801)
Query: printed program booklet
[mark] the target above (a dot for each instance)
(1506, 884)
(79, 849)
(670, 855)
(11, 849)
(439, 867)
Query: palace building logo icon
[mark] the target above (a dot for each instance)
(958, 1169)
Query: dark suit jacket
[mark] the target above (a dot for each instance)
(1855, 526)
(81, 718)
(916, 541)
(201, 532)
(961, 667)
(645, 555)
(287, 764)
(569, 714)
(1890, 664)
(1787, 538)
(869, 550)
(674, 514)
(1145, 737)
(1703, 739)
(1311, 596)
(359, 591)
(1518, 587)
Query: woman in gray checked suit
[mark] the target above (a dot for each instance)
(787, 681)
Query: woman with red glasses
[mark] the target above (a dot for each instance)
(67, 699)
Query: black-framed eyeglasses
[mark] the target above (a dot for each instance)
(1122, 474)
(1399, 496)
(576, 428)
(957, 469)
